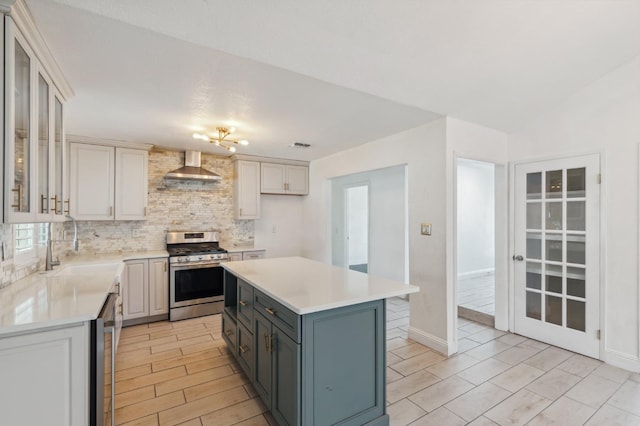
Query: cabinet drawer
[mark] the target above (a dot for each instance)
(245, 303)
(283, 318)
(229, 332)
(245, 353)
(250, 255)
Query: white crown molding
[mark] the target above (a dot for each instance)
(245, 157)
(21, 15)
(108, 142)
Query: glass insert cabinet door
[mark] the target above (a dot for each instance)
(556, 259)
(18, 136)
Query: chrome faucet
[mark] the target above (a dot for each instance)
(75, 232)
(49, 262)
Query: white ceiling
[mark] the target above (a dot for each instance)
(333, 73)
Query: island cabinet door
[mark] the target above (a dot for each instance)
(285, 368)
(343, 366)
(262, 367)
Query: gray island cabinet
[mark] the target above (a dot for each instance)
(311, 338)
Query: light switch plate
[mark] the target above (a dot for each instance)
(425, 229)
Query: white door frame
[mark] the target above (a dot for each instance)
(502, 291)
(603, 241)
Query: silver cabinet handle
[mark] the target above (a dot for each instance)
(243, 303)
(244, 348)
(519, 258)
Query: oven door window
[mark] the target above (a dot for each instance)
(198, 283)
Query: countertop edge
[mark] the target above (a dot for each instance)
(327, 306)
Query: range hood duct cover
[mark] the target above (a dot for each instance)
(192, 169)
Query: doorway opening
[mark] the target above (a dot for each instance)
(357, 223)
(476, 244)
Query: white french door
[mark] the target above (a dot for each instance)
(556, 260)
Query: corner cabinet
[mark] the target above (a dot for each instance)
(108, 183)
(284, 179)
(320, 368)
(246, 189)
(34, 187)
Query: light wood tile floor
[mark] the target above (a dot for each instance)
(182, 374)
(478, 294)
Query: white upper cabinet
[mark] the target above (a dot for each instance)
(131, 184)
(92, 182)
(284, 179)
(246, 189)
(108, 182)
(34, 136)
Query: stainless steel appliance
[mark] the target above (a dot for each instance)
(103, 348)
(195, 274)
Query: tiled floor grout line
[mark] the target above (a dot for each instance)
(464, 377)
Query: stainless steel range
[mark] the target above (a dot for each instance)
(195, 275)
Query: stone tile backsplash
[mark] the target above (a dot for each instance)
(172, 205)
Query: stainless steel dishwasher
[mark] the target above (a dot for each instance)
(103, 348)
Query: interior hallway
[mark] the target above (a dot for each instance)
(181, 373)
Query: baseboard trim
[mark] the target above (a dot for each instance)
(477, 273)
(429, 340)
(476, 316)
(621, 360)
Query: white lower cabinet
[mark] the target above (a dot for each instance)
(145, 290)
(247, 255)
(45, 377)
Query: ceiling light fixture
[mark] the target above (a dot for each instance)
(221, 138)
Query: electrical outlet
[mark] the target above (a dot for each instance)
(135, 232)
(425, 229)
(274, 230)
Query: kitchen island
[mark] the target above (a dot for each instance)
(311, 338)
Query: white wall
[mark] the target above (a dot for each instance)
(358, 225)
(387, 216)
(476, 212)
(423, 150)
(279, 228)
(604, 117)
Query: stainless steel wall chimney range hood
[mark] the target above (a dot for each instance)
(192, 169)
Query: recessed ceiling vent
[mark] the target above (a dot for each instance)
(299, 145)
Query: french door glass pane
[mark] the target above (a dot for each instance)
(22, 154)
(576, 281)
(534, 275)
(553, 216)
(553, 278)
(534, 245)
(553, 310)
(554, 184)
(553, 247)
(534, 186)
(575, 216)
(576, 317)
(576, 182)
(534, 305)
(576, 249)
(534, 216)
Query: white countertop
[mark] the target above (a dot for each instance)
(240, 249)
(306, 286)
(71, 293)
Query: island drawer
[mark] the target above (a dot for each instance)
(229, 331)
(245, 303)
(286, 320)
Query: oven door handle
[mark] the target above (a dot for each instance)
(193, 265)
